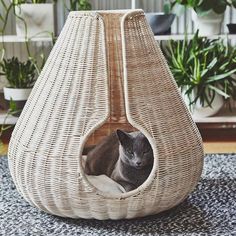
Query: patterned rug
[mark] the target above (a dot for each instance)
(209, 210)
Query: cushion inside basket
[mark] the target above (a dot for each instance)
(103, 182)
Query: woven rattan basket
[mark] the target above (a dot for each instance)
(105, 71)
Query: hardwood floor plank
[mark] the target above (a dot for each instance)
(220, 147)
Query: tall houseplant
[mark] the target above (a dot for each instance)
(207, 14)
(20, 77)
(34, 18)
(203, 70)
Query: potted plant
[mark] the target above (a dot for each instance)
(78, 5)
(34, 18)
(161, 22)
(203, 70)
(20, 77)
(206, 14)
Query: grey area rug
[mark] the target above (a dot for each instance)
(209, 210)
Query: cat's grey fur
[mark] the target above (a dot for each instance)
(127, 158)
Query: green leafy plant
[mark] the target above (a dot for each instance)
(18, 74)
(203, 66)
(203, 7)
(79, 5)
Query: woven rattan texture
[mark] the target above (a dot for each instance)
(104, 67)
(117, 118)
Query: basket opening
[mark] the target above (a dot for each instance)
(119, 163)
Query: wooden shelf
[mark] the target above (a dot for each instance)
(224, 116)
(10, 120)
(190, 36)
(17, 39)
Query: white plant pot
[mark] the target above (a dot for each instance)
(199, 111)
(209, 24)
(39, 19)
(16, 94)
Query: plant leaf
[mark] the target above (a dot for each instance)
(219, 77)
(220, 92)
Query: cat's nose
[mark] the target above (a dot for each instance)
(138, 163)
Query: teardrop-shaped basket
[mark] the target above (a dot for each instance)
(105, 70)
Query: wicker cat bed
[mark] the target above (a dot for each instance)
(105, 71)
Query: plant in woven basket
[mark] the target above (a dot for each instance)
(203, 67)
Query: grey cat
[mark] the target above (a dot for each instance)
(127, 158)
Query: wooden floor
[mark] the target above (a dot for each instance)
(3, 149)
(220, 147)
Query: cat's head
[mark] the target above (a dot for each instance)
(135, 149)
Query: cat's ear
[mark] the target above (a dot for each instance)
(123, 137)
